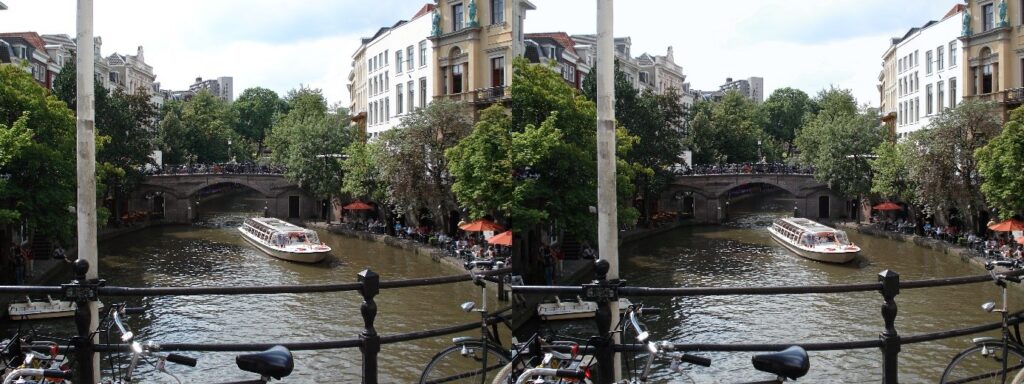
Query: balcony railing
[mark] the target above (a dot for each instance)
(1006, 96)
(491, 95)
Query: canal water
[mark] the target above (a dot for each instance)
(216, 256)
(741, 254)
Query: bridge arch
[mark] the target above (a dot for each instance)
(704, 197)
(178, 194)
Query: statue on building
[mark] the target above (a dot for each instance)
(1002, 14)
(967, 23)
(472, 14)
(437, 23)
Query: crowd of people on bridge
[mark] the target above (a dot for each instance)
(746, 168)
(244, 168)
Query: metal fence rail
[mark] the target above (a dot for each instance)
(889, 285)
(368, 284)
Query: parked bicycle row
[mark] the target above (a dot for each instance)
(745, 168)
(221, 168)
(995, 245)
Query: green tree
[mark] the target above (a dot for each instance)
(944, 168)
(483, 168)
(544, 107)
(197, 130)
(307, 141)
(657, 121)
(785, 111)
(256, 108)
(891, 171)
(39, 175)
(726, 131)
(363, 177)
(839, 142)
(413, 164)
(1001, 164)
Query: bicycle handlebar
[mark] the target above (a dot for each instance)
(46, 373)
(181, 359)
(551, 372)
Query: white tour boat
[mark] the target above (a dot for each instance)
(813, 240)
(284, 240)
(41, 309)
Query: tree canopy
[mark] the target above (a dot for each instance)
(198, 130)
(785, 111)
(256, 108)
(726, 131)
(839, 141)
(38, 182)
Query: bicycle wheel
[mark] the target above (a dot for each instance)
(983, 363)
(464, 363)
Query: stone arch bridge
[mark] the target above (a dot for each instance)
(177, 197)
(707, 197)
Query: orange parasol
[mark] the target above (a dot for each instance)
(1020, 240)
(887, 206)
(1008, 226)
(504, 238)
(481, 226)
(358, 206)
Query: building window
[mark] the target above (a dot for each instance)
(457, 78)
(644, 76)
(398, 99)
(987, 17)
(410, 57)
(411, 94)
(952, 92)
(497, 11)
(928, 62)
(423, 53)
(423, 92)
(917, 58)
(940, 59)
(387, 109)
(928, 100)
(387, 82)
(398, 61)
(457, 17)
(986, 79)
(940, 101)
(498, 72)
(386, 54)
(952, 53)
(444, 80)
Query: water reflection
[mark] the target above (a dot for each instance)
(215, 255)
(741, 253)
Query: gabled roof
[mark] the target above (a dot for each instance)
(561, 38)
(955, 10)
(427, 8)
(30, 37)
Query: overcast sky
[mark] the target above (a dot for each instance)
(806, 44)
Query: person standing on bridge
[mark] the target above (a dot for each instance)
(266, 209)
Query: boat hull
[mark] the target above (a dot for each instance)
(825, 257)
(299, 257)
(39, 310)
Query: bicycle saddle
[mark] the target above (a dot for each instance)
(275, 362)
(791, 362)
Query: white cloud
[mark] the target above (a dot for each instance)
(258, 42)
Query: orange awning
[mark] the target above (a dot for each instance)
(358, 206)
(481, 226)
(504, 238)
(1008, 226)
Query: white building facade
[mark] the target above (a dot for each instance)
(928, 71)
(396, 69)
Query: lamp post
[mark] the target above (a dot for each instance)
(759, 157)
(230, 160)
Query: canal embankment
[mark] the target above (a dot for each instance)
(961, 252)
(47, 268)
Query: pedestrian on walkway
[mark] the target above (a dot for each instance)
(547, 262)
(19, 265)
(26, 253)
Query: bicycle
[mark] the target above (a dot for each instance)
(276, 362)
(791, 363)
(470, 360)
(991, 360)
(37, 366)
(527, 365)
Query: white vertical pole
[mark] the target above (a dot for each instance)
(86, 158)
(607, 211)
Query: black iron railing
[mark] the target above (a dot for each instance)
(368, 284)
(889, 340)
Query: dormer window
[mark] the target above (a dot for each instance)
(21, 52)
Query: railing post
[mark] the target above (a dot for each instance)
(79, 291)
(370, 341)
(890, 339)
(603, 343)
